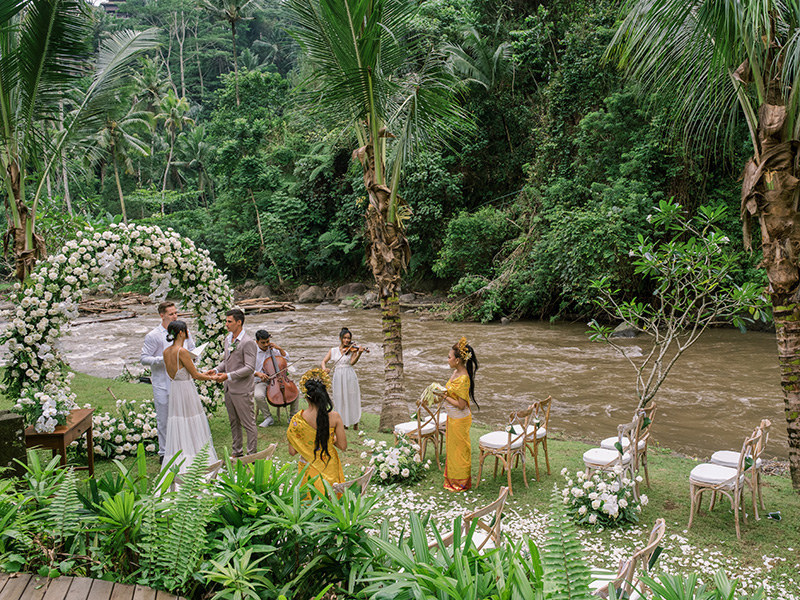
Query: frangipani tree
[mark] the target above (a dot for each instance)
(372, 77)
(43, 50)
(692, 273)
(723, 60)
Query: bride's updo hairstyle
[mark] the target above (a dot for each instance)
(317, 394)
(174, 328)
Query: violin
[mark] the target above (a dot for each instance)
(354, 348)
(280, 389)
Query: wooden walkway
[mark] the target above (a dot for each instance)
(24, 586)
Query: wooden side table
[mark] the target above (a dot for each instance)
(79, 422)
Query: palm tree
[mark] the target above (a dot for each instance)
(231, 11)
(43, 45)
(173, 113)
(370, 75)
(195, 155)
(723, 60)
(119, 138)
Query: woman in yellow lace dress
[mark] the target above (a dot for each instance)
(458, 399)
(316, 432)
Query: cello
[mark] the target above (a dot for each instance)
(281, 391)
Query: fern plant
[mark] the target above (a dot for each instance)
(65, 514)
(566, 576)
(176, 542)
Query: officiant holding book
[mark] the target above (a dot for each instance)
(152, 356)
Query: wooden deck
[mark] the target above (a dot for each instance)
(24, 586)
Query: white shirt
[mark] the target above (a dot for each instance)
(262, 355)
(153, 348)
(238, 338)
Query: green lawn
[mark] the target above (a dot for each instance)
(767, 552)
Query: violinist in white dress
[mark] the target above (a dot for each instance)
(187, 424)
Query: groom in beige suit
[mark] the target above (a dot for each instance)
(236, 371)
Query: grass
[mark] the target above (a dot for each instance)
(768, 551)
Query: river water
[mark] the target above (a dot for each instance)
(718, 391)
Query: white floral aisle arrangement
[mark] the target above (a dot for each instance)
(603, 500)
(396, 464)
(36, 376)
(117, 436)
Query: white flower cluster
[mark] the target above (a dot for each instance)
(605, 499)
(36, 374)
(118, 436)
(400, 463)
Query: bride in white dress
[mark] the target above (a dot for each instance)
(187, 424)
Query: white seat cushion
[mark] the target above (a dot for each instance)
(442, 419)
(600, 457)
(540, 433)
(499, 439)
(608, 443)
(729, 458)
(410, 428)
(714, 475)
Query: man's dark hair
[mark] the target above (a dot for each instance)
(262, 334)
(162, 308)
(237, 315)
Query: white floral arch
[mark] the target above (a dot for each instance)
(36, 375)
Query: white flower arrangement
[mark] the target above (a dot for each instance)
(397, 464)
(36, 375)
(117, 436)
(603, 500)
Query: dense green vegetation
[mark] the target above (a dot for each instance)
(548, 192)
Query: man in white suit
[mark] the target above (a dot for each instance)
(153, 356)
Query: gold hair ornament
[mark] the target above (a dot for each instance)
(315, 373)
(463, 349)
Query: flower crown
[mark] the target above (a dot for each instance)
(463, 349)
(315, 373)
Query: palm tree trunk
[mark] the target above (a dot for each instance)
(388, 254)
(119, 190)
(235, 61)
(770, 192)
(166, 170)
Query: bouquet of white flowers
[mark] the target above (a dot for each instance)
(396, 464)
(603, 500)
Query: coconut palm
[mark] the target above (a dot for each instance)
(195, 154)
(370, 75)
(232, 12)
(119, 138)
(43, 49)
(722, 61)
(173, 114)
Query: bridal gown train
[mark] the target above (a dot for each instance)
(187, 424)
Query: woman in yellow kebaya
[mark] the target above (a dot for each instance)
(316, 432)
(458, 399)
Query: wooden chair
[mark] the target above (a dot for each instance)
(508, 445)
(362, 482)
(424, 429)
(540, 421)
(723, 480)
(265, 454)
(730, 458)
(211, 474)
(625, 581)
(644, 439)
(486, 535)
(627, 461)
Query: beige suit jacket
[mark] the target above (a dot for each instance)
(240, 366)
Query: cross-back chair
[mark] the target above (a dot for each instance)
(486, 535)
(424, 429)
(362, 483)
(603, 459)
(625, 581)
(265, 454)
(540, 421)
(509, 445)
(730, 458)
(724, 480)
(644, 439)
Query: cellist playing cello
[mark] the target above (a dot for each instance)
(266, 351)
